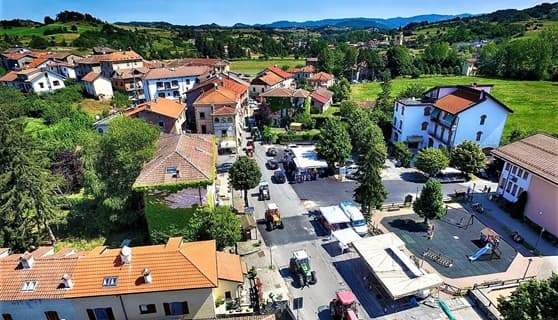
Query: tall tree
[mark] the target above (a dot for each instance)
(244, 175)
(430, 204)
(532, 300)
(468, 157)
(341, 90)
(399, 60)
(27, 205)
(370, 192)
(431, 161)
(334, 144)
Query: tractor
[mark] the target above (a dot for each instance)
(273, 217)
(343, 306)
(300, 269)
(263, 193)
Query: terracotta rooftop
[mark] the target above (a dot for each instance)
(165, 107)
(322, 95)
(121, 56)
(278, 92)
(174, 266)
(90, 77)
(280, 72)
(130, 73)
(321, 77)
(218, 95)
(268, 78)
(306, 69)
(37, 62)
(459, 100)
(230, 267)
(223, 110)
(537, 154)
(162, 73)
(191, 155)
(8, 77)
(18, 55)
(47, 270)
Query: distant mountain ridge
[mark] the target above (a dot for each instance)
(389, 23)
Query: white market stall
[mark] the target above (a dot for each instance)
(334, 218)
(345, 237)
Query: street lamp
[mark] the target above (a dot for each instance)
(527, 269)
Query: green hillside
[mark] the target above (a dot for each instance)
(535, 103)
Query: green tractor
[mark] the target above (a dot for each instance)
(300, 269)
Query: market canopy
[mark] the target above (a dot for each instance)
(395, 271)
(346, 236)
(306, 157)
(334, 214)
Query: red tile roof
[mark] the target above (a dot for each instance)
(8, 77)
(193, 155)
(322, 95)
(218, 95)
(305, 69)
(90, 77)
(537, 154)
(321, 77)
(459, 100)
(223, 110)
(229, 267)
(165, 107)
(280, 72)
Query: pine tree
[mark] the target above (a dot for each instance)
(370, 192)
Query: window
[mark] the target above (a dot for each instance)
(395, 136)
(7, 316)
(41, 85)
(229, 119)
(203, 128)
(29, 285)
(174, 83)
(52, 315)
(525, 174)
(167, 85)
(514, 190)
(482, 119)
(170, 170)
(228, 295)
(427, 111)
(508, 166)
(396, 107)
(514, 169)
(161, 124)
(175, 93)
(519, 191)
(110, 281)
(400, 124)
(100, 314)
(216, 120)
(176, 308)
(161, 94)
(479, 135)
(509, 186)
(424, 126)
(159, 84)
(202, 115)
(223, 133)
(56, 83)
(147, 308)
(262, 89)
(253, 89)
(402, 110)
(519, 172)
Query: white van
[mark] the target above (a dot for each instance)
(358, 223)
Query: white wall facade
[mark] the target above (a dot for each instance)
(108, 67)
(407, 122)
(174, 92)
(513, 181)
(35, 309)
(492, 129)
(47, 82)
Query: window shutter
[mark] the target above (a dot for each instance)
(185, 307)
(167, 309)
(91, 314)
(110, 314)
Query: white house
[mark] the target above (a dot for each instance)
(172, 83)
(33, 80)
(97, 86)
(65, 69)
(446, 116)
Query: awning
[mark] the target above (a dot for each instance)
(227, 144)
(334, 214)
(346, 236)
(306, 157)
(415, 139)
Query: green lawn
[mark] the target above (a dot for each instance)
(535, 103)
(254, 66)
(161, 218)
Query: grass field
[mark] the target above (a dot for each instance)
(27, 32)
(535, 103)
(255, 65)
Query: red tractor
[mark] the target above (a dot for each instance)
(343, 307)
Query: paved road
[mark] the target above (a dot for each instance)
(302, 232)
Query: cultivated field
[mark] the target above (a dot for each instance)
(254, 66)
(535, 103)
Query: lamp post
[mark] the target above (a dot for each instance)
(527, 269)
(539, 238)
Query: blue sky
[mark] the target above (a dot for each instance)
(228, 12)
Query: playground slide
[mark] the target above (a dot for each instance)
(481, 251)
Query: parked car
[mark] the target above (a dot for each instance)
(450, 175)
(224, 167)
(272, 164)
(271, 152)
(278, 177)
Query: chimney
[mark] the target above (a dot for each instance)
(26, 260)
(67, 281)
(126, 255)
(147, 276)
